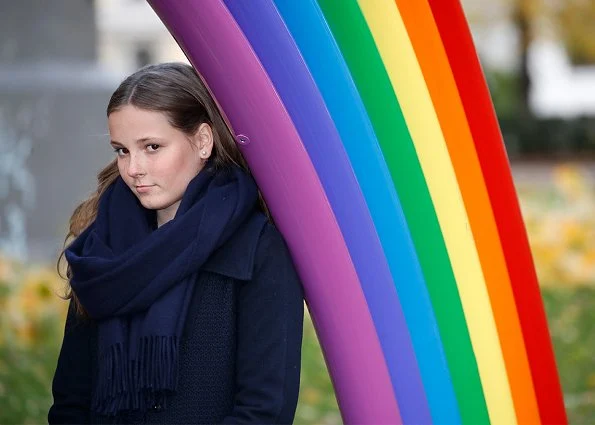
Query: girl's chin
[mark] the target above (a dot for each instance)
(151, 204)
(155, 205)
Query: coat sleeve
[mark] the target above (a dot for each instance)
(270, 326)
(71, 386)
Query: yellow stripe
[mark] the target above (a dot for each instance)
(398, 55)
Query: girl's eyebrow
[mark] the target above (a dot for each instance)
(141, 140)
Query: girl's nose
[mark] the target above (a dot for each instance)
(135, 167)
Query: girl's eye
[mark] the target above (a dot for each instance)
(121, 151)
(153, 147)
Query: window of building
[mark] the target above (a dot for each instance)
(143, 56)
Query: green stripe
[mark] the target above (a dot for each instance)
(367, 69)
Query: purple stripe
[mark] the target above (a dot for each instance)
(211, 38)
(269, 37)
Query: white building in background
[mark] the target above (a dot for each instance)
(559, 88)
(131, 35)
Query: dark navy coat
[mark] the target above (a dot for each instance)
(240, 353)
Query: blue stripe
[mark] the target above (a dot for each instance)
(316, 43)
(262, 25)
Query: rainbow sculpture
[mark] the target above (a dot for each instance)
(370, 131)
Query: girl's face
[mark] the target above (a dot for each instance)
(156, 160)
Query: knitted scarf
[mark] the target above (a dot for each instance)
(137, 281)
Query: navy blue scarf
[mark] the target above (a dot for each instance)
(137, 281)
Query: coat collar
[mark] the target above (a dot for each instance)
(236, 257)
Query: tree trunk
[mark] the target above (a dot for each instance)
(523, 23)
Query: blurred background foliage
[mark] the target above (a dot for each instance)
(528, 135)
(30, 336)
(576, 18)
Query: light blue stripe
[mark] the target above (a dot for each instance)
(263, 27)
(311, 33)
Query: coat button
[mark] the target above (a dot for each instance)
(157, 407)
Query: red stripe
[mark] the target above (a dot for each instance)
(474, 93)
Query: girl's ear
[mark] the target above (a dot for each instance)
(203, 138)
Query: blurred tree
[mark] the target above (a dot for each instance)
(575, 21)
(524, 15)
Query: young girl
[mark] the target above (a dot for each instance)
(185, 306)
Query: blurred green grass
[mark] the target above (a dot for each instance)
(571, 318)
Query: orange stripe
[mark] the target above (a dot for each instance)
(441, 84)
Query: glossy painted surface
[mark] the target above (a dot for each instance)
(357, 45)
(269, 37)
(218, 49)
(321, 54)
(475, 97)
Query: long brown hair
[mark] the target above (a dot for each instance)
(176, 90)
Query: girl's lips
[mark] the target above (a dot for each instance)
(143, 189)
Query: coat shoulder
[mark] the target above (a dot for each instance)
(271, 245)
(236, 257)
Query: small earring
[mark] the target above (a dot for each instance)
(204, 153)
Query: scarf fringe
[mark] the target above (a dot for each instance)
(137, 384)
